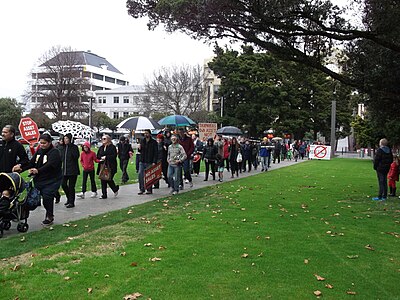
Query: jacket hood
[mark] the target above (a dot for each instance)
(87, 144)
(385, 149)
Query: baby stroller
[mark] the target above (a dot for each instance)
(12, 208)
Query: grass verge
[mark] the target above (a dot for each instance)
(274, 235)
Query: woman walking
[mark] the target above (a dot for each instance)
(107, 155)
(234, 150)
(88, 158)
(209, 155)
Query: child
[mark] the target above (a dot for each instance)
(88, 157)
(393, 175)
(220, 167)
(5, 200)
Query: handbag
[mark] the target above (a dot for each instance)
(239, 158)
(105, 172)
(33, 198)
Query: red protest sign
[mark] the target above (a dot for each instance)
(152, 174)
(29, 130)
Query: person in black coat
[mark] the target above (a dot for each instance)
(11, 151)
(382, 161)
(209, 156)
(70, 169)
(45, 166)
(107, 154)
(124, 154)
(148, 150)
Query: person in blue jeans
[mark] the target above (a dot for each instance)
(175, 157)
(148, 150)
(382, 161)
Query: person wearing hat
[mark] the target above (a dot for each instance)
(11, 151)
(46, 169)
(70, 168)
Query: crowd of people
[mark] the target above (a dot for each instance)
(180, 154)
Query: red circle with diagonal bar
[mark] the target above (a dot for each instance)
(320, 151)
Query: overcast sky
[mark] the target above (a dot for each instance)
(30, 28)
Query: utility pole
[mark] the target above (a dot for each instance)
(333, 127)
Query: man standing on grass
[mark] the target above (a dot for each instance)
(11, 151)
(148, 150)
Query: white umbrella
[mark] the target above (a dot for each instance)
(77, 129)
(139, 123)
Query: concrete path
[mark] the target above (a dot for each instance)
(127, 197)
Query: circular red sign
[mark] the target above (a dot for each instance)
(320, 152)
(29, 130)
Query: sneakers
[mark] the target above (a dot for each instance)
(148, 193)
(174, 192)
(93, 195)
(377, 198)
(103, 197)
(70, 205)
(186, 180)
(47, 221)
(141, 193)
(81, 195)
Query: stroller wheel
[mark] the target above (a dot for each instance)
(23, 227)
(6, 225)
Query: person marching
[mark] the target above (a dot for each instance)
(234, 150)
(88, 158)
(70, 167)
(187, 144)
(382, 161)
(124, 149)
(107, 154)
(198, 151)
(209, 156)
(175, 157)
(148, 150)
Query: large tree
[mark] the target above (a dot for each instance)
(175, 89)
(59, 85)
(298, 30)
(10, 112)
(260, 91)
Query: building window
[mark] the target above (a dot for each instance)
(115, 115)
(116, 99)
(126, 99)
(126, 114)
(102, 100)
(98, 76)
(109, 79)
(121, 82)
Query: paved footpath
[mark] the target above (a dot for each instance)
(127, 197)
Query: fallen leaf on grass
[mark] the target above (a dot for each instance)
(67, 278)
(306, 261)
(155, 259)
(148, 244)
(133, 296)
(244, 255)
(351, 293)
(369, 247)
(319, 278)
(123, 254)
(162, 248)
(16, 267)
(352, 256)
(317, 293)
(89, 290)
(329, 286)
(134, 264)
(22, 239)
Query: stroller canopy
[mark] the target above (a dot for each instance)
(12, 181)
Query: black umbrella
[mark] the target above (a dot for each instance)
(139, 123)
(229, 130)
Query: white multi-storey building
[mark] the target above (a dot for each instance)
(121, 102)
(212, 102)
(99, 72)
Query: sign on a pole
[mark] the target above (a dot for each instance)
(320, 152)
(29, 130)
(207, 130)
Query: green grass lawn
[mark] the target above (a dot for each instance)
(272, 235)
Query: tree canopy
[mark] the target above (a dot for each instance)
(303, 31)
(260, 91)
(10, 112)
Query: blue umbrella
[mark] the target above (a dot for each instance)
(176, 120)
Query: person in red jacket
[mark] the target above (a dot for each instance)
(88, 158)
(393, 175)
